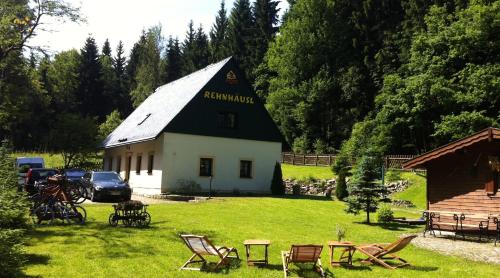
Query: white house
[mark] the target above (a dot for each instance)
(206, 127)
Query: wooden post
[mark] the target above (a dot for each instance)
(316, 160)
(329, 160)
(293, 158)
(304, 159)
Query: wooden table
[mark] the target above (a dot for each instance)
(250, 242)
(347, 250)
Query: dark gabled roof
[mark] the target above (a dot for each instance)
(488, 134)
(160, 108)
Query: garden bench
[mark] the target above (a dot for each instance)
(496, 220)
(458, 221)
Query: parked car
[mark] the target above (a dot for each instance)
(106, 185)
(74, 175)
(23, 164)
(37, 175)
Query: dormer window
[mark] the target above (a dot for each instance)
(227, 120)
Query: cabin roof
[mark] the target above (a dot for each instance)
(152, 116)
(488, 134)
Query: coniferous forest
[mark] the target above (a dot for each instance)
(355, 77)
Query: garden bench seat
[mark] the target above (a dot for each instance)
(459, 222)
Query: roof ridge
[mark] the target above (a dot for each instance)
(194, 73)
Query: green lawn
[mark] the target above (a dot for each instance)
(306, 172)
(98, 250)
(416, 192)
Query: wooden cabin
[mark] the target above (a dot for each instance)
(463, 175)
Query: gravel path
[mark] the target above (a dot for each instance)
(469, 249)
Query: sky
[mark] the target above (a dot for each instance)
(125, 19)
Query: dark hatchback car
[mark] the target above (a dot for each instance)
(106, 186)
(37, 175)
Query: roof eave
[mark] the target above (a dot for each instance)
(120, 144)
(485, 134)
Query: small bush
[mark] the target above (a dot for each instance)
(341, 189)
(385, 214)
(296, 189)
(277, 186)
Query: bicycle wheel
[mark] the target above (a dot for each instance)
(77, 214)
(42, 213)
(61, 212)
(113, 220)
(144, 219)
(76, 195)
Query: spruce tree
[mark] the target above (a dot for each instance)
(106, 48)
(218, 36)
(173, 61)
(91, 95)
(188, 64)
(201, 53)
(266, 20)
(366, 191)
(124, 105)
(134, 60)
(241, 35)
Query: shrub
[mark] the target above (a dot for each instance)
(13, 220)
(277, 186)
(296, 189)
(341, 189)
(385, 214)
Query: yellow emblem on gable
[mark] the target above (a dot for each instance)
(231, 78)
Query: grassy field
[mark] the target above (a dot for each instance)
(306, 172)
(51, 159)
(98, 250)
(416, 192)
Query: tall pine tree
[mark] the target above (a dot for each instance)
(201, 52)
(91, 88)
(188, 63)
(241, 34)
(173, 61)
(124, 105)
(219, 35)
(266, 20)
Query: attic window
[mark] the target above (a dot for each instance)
(147, 116)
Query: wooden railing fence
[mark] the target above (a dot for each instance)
(390, 161)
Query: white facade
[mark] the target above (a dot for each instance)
(177, 159)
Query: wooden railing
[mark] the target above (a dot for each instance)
(390, 161)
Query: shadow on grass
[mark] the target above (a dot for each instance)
(303, 271)
(389, 226)
(33, 259)
(303, 197)
(359, 265)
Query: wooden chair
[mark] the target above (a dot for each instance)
(303, 254)
(380, 253)
(201, 246)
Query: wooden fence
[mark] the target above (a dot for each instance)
(390, 161)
